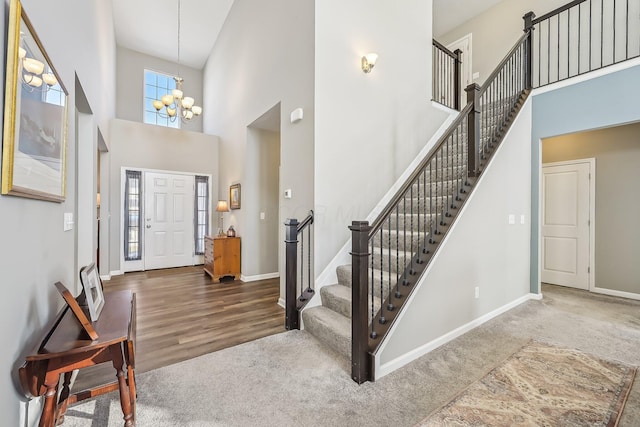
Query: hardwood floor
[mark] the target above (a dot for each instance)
(182, 314)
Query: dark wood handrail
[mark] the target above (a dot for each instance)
(444, 49)
(557, 11)
(294, 301)
(377, 223)
(306, 222)
(498, 69)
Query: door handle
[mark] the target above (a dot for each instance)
(148, 226)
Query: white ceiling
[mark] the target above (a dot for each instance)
(151, 26)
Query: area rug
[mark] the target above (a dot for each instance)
(542, 385)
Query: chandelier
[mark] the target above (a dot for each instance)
(175, 104)
(33, 75)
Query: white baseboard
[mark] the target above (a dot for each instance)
(281, 302)
(382, 370)
(257, 277)
(105, 277)
(116, 273)
(30, 411)
(614, 293)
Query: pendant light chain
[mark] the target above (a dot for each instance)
(179, 11)
(175, 104)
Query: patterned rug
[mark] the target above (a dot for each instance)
(541, 385)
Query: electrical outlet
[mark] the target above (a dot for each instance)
(477, 292)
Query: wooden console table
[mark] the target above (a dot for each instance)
(66, 347)
(222, 257)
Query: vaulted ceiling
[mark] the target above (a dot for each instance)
(151, 26)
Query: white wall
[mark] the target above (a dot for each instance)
(139, 145)
(481, 250)
(368, 127)
(130, 84)
(35, 252)
(261, 195)
(496, 31)
(263, 56)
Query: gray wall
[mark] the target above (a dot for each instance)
(130, 84)
(263, 56)
(262, 195)
(617, 154)
(369, 127)
(34, 251)
(481, 250)
(601, 102)
(139, 145)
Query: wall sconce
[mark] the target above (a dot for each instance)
(222, 207)
(368, 61)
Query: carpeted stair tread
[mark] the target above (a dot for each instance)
(338, 298)
(330, 327)
(405, 232)
(344, 276)
(399, 239)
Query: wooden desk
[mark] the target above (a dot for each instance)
(66, 347)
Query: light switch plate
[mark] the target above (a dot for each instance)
(512, 219)
(287, 193)
(67, 221)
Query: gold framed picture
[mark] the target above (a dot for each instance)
(35, 116)
(234, 196)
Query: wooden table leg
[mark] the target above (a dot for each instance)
(125, 401)
(64, 396)
(49, 410)
(133, 394)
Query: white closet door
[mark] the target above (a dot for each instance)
(565, 224)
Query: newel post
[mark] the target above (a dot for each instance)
(458, 79)
(360, 369)
(528, 68)
(292, 320)
(473, 127)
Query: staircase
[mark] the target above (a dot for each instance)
(420, 220)
(390, 255)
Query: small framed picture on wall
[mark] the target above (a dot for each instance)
(234, 196)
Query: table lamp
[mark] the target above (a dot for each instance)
(222, 207)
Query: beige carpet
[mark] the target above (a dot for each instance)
(291, 379)
(542, 385)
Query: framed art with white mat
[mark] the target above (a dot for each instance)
(92, 290)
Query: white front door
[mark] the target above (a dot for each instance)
(566, 224)
(168, 221)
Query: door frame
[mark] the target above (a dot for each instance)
(592, 214)
(468, 39)
(138, 265)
